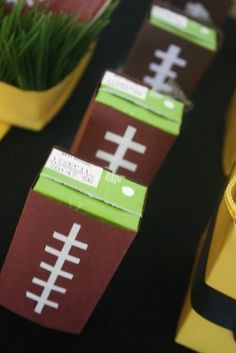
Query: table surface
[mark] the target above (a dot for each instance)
(140, 308)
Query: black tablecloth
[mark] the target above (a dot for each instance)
(139, 310)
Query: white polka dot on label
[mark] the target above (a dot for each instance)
(169, 104)
(128, 191)
(205, 30)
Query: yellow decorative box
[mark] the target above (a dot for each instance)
(221, 264)
(208, 320)
(199, 333)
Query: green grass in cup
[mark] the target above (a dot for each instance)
(38, 48)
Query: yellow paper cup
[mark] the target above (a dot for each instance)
(229, 149)
(32, 109)
(3, 129)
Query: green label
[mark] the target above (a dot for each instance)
(92, 190)
(141, 103)
(184, 27)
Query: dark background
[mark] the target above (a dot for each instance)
(140, 308)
